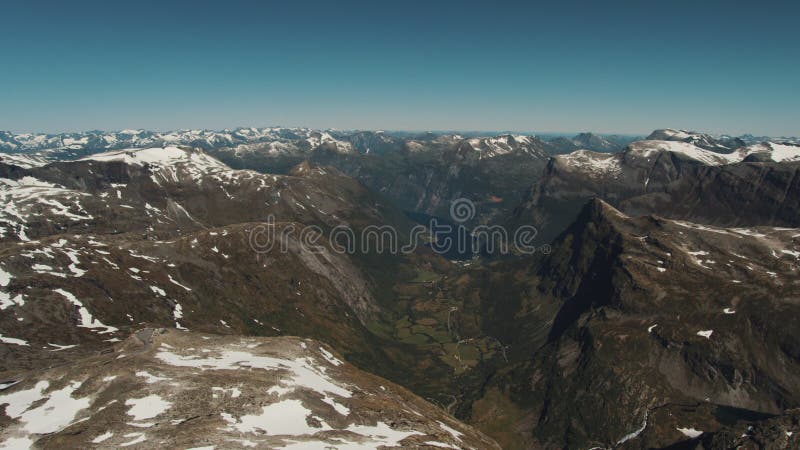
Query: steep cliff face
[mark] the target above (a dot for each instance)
(653, 326)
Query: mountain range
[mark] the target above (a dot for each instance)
(140, 308)
(360, 141)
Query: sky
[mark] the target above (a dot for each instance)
(612, 66)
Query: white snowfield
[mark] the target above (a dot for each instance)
(172, 164)
(24, 160)
(610, 164)
(594, 163)
(648, 149)
(776, 152)
(160, 157)
(690, 432)
(504, 144)
(318, 138)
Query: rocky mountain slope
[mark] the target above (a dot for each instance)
(182, 229)
(95, 248)
(170, 389)
(174, 186)
(637, 331)
(673, 179)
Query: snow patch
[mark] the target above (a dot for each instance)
(86, 318)
(690, 432)
(146, 407)
(705, 333)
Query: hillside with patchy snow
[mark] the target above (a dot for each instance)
(173, 389)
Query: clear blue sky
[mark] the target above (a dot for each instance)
(558, 66)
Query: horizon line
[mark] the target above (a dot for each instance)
(388, 130)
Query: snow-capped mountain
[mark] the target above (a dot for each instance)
(670, 176)
(768, 151)
(488, 147)
(281, 140)
(206, 139)
(654, 299)
(702, 140)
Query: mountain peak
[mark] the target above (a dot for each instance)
(666, 134)
(160, 156)
(702, 140)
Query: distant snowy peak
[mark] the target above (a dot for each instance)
(24, 160)
(650, 148)
(157, 156)
(669, 134)
(370, 142)
(318, 139)
(272, 140)
(702, 140)
(769, 151)
(751, 139)
(207, 139)
(505, 144)
(169, 163)
(300, 141)
(294, 145)
(591, 163)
